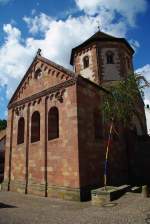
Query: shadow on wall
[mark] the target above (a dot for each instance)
(141, 162)
(129, 160)
(2, 160)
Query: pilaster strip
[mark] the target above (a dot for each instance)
(10, 150)
(46, 130)
(27, 149)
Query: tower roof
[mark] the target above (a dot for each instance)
(100, 36)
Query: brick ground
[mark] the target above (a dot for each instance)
(130, 209)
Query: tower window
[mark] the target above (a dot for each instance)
(110, 57)
(86, 62)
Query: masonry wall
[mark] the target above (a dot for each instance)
(49, 76)
(92, 151)
(91, 72)
(26, 173)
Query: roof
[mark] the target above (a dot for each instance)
(47, 61)
(100, 36)
(2, 134)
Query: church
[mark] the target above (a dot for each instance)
(56, 137)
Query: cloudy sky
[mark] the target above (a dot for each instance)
(57, 26)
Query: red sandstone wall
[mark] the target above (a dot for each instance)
(50, 76)
(92, 151)
(62, 169)
(7, 151)
(63, 152)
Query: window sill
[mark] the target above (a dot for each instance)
(34, 143)
(18, 145)
(55, 140)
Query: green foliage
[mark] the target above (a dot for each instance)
(124, 96)
(3, 124)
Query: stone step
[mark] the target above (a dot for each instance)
(136, 189)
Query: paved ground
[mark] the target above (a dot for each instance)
(24, 209)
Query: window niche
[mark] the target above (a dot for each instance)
(110, 57)
(86, 62)
(35, 127)
(38, 73)
(21, 127)
(53, 123)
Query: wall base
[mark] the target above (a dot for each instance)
(65, 193)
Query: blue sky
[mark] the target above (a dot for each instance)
(57, 26)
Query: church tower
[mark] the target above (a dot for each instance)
(103, 58)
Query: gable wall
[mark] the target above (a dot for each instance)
(62, 153)
(50, 76)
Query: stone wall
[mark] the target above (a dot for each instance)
(92, 151)
(91, 72)
(25, 166)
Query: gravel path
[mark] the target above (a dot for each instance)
(26, 209)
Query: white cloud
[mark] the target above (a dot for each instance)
(14, 58)
(4, 1)
(58, 37)
(39, 23)
(135, 44)
(145, 71)
(127, 8)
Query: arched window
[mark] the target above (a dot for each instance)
(86, 62)
(98, 127)
(53, 123)
(21, 126)
(110, 57)
(35, 127)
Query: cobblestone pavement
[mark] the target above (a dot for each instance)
(26, 209)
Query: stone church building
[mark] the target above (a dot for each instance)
(56, 138)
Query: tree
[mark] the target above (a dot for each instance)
(120, 106)
(3, 124)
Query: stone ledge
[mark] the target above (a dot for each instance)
(136, 189)
(101, 196)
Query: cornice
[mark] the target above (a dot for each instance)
(52, 89)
